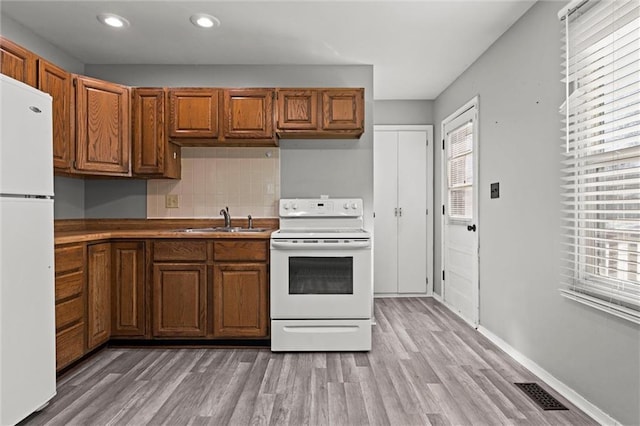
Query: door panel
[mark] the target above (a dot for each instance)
(412, 218)
(460, 245)
(385, 183)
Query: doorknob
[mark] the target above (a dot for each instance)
(471, 227)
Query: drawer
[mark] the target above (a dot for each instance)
(179, 250)
(69, 285)
(240, 250)
(69, 312)
(69, 258)
(69, 345)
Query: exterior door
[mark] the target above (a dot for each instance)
(460, 219)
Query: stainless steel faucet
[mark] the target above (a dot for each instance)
(227, 218)
(250, 219)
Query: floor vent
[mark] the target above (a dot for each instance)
(541, 396)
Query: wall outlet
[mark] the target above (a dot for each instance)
(271, 189)
(171, 201)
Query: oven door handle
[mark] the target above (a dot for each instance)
(286, 245)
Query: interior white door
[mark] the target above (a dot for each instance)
(460, 220)
(412, 212)
(385, 196)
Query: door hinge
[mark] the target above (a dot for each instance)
(443, 209)
(427, 280)
(442, 143)
(374, 215)
(427, 212)
(442, 275)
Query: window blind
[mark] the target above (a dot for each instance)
(601, 167)
(460, 171)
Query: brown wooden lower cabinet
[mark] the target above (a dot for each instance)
(98, 294)
(240, 304)
(128, 301)
(69, 345)
(179, 300)
(159, 289)
(70, 303)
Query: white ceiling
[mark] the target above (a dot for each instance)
(417, 48)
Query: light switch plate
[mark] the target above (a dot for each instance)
(171, 201)
(495, 190)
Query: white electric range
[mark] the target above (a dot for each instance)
(321, 285)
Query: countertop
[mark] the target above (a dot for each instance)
(77, 231)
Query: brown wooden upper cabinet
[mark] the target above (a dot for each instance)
(103, 137)
(342, 109)
(58, 83)
(193, 113)
(248, 114)
(153, 154)
(320, 113)
(17, 62)
(298, 109)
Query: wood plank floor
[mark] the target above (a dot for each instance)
(426, 367)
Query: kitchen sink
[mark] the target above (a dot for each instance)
(222, 229)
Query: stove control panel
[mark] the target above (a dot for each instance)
(320, 207)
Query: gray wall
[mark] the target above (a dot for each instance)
(403, 112)
(69, 193)
(307, 167)
(118, 198)
(69, 198)
(517, 80)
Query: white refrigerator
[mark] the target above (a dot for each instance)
(27, 307)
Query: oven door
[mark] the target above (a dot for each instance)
(315, 281)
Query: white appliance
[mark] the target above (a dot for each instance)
(321, 286)
(27, 312)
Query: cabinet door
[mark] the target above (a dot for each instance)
(342, 109)
(240, 300)
(412, 220)
(128, 302)
(297, 109)
(103, 140)
(149, 137)
(193, 113)
(57, 82)
(17, 62)
(248, 113)
(98, 294)
(179, 300)
(385, 206)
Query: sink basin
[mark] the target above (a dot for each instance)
(222, 229)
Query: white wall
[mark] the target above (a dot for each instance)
(518, 82)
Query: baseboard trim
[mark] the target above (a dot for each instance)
(572, 396)
(397, 295)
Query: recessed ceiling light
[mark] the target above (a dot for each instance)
(204, 21)
(113, 20)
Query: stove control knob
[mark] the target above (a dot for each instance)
(294, 206)
(285, 206)
(354, 205)
(346, 205)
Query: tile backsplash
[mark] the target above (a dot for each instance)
(245, 179)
